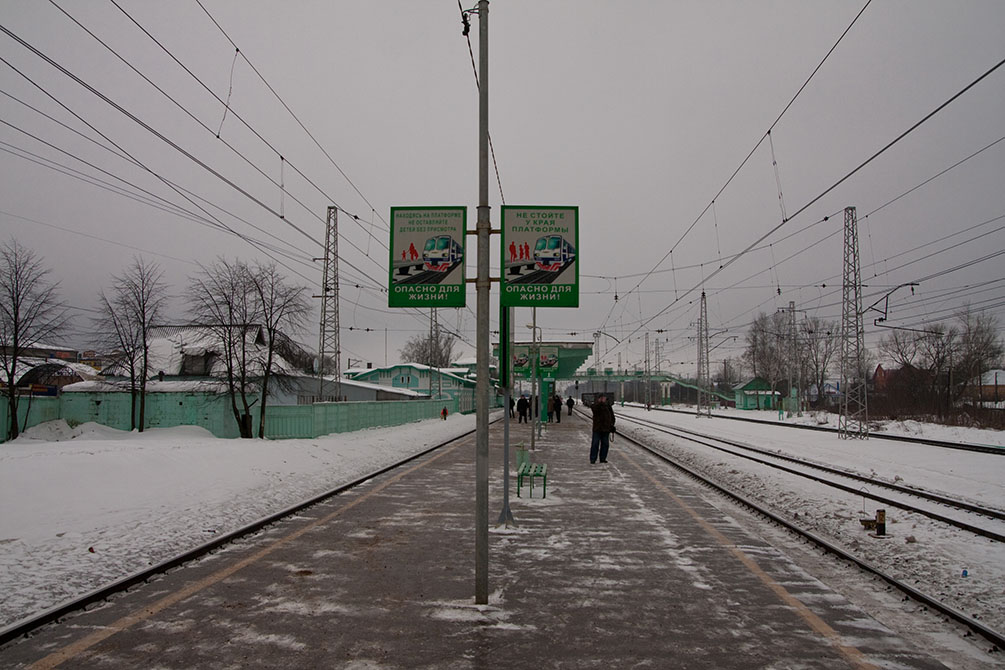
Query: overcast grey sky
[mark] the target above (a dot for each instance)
(637, 112)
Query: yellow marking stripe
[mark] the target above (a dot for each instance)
(853, 655)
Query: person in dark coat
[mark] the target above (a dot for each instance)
(512, 405)
(570, 403)
(558, 408)
(603, 426)
(522, 405)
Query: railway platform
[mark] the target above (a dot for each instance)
(623, 565)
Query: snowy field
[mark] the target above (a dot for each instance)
(879, 428)
(85, 506)
(919, 551)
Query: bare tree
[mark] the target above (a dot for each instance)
(902, 347)
(31, 313)
(222, 301)
(126, 320)
(435, 350)
(819, 344)
(766, 352)
(979, 348)
(283, 307)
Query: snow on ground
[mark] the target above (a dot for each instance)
(84, 506)
(930, 431)
(919, 551)
(88, 505)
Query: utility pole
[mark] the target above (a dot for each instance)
(704, 374)
(535, 402)
(329, 332)
(646, 373)
(482, 283)
(793, 360)
(506, 379)
(854, 419)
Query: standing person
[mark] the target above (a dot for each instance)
(603, 426)
(443, 413)
(512, 404)
(570, 403)
(551, 407)
(558, 408)
(522, 406)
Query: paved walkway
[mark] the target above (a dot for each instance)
(623, 565)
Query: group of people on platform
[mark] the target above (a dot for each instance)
(524, 405)
(603, 419)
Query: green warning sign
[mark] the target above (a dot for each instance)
(427, 257)
(539, 262)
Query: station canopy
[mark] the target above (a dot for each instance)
(571, 355)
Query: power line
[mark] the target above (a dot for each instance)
(760, 141)
(241, 119)
(281, 214)
(295, 117)
(210, 221)
(900, 137)
(163, 138)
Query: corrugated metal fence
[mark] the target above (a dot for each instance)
(213, 412)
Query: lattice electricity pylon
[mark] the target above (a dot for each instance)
(704, 372)
(328, 344)
(854, 419)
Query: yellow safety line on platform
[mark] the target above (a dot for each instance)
(852, 654)
(84, 644)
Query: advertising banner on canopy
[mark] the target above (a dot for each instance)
(427, 257)
(547, 364)
(539, 256)
(522, 363)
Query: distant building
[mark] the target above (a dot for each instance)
(187, 359)
(433, 382)
(755, 393)
(990, 387)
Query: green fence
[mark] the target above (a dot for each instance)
(213, 412)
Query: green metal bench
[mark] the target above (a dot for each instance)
(532, 470)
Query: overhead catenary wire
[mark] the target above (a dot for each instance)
(279, 214)
(840, 181)
(294, 116)
(133, 158)
(757, 144)
(166, 140)
(276, 151)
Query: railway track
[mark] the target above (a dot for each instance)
(851, 482)
(54, 614)
(963, 446)
(995, 637)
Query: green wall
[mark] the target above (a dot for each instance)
(212, 412)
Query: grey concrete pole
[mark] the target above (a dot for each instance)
(506, 368)
(534, 388)
(482, 282)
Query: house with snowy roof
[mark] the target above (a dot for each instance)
(429, 381)
(191, 359)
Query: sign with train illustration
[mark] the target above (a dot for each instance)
(539, 256)
(427, 257)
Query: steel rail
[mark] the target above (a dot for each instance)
(934, 497)
(693, 436)
(964, 446)
(29, 624)
(995, 637)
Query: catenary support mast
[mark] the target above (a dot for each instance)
(704, 374)
(854, 419)
(328, 344)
